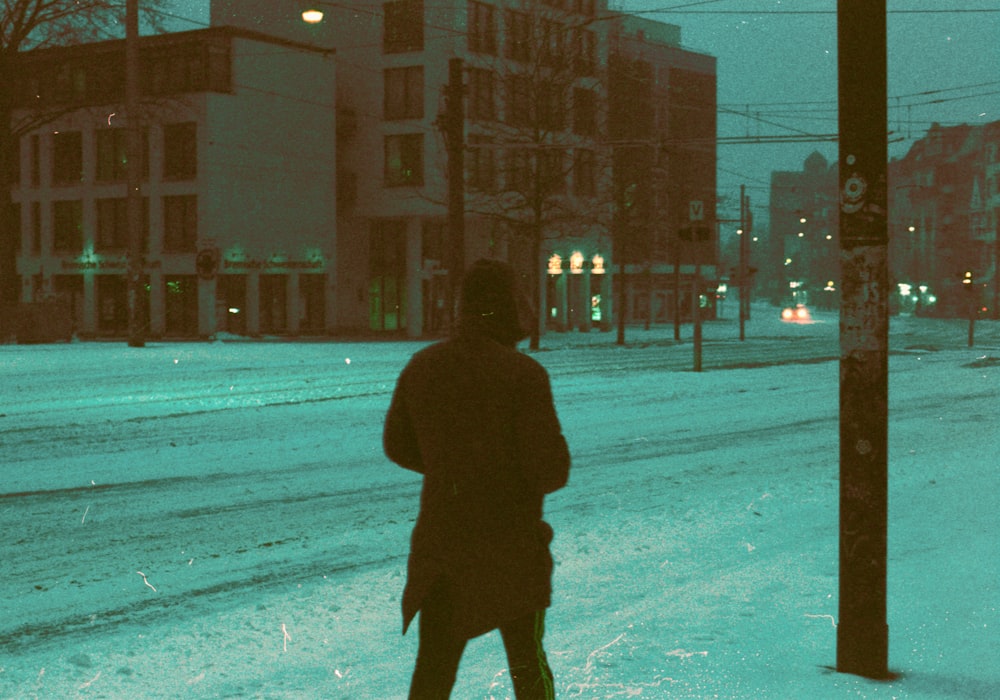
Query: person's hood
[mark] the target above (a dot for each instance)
(490, 303)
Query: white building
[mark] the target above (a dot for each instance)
(239, 176)
(392, 69)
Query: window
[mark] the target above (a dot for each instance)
(404, 26)
(219, 68)
(404, 160)
(36, 228)
(518, 36)
(16, 162)
(404, 93)
(180, 151)
(34, 163)
(481, 164)
(584, 52)
(482, 28)
(67, 226)
(112, 155)
(552, 43)
(552, 171)
(67, 157)
(518, 170)
(584, 173)
(180, 223)
(112, 225)
(387, 276)
(584, 112)
(175, 69)
(15, 225)
(518, 103)
(551, 107)
(482, 103)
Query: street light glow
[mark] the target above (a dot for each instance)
(312, 16)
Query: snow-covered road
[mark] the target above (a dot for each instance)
(217, 520)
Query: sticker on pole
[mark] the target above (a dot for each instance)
(852, 199)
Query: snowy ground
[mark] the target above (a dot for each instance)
(217, 520)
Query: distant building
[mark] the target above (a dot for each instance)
(238, 184)
(662, 129)
(802, 261)
(943, 217)
(944, 204)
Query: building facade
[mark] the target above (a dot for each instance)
(238, 181)
(297, 182)
(944, 205)
(802, 263)
(538, 187)
(662, 132)
(944, 209)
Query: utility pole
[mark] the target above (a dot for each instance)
(133, 176)
(677, 286)
(996, 265)
(455, 141)
(744, 234)
(618, 252)
(696, 306)
(862, 631)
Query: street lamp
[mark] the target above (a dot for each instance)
(312, 16)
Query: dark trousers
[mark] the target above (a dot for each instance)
(440, 652)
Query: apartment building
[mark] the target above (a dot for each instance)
(943, 218)
(662, 131)
(944, 204)
(238, 181)
(297, 182)
(539, 177)
(802, 254)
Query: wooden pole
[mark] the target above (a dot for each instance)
(862, 632)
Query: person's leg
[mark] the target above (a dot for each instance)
(439, 652)
(529, 669)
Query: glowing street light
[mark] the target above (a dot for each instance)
(312, 16)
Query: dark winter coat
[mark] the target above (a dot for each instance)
(476, 418)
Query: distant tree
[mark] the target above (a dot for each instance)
(535, 107)
(27, 25)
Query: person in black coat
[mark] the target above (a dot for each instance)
(477, 419)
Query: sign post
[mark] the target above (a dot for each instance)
(698, 233)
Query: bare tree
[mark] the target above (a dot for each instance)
(26, 25)
(535, 108)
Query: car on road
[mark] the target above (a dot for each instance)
(796, 314)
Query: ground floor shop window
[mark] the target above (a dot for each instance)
(231, 293)
(69, 291)
(273, 303)
(387, 281)
(180, 293)
(312, 291)
(112, 304)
